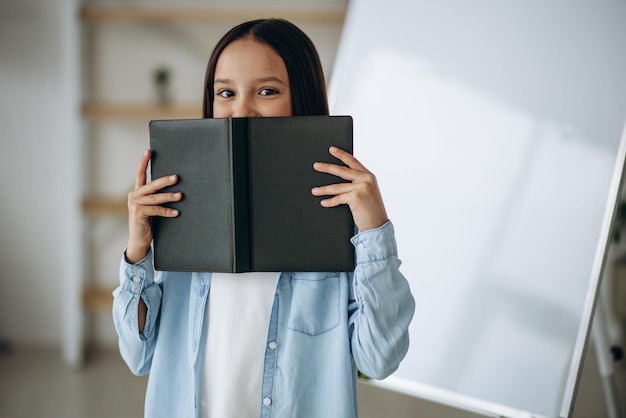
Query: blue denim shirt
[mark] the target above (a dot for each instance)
(323, 328)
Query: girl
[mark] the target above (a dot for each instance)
(263, 344)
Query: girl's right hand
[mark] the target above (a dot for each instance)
(143, 203)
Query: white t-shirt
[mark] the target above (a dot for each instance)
(237, 316)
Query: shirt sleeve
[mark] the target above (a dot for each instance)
(381, 305)
(137, 281)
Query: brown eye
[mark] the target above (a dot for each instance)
(225, 93)
(268, 92)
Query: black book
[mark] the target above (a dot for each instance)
(247, 202)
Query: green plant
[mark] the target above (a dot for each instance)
(161, 79)
(161, 76)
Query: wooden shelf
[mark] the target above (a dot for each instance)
(98, 299)
(94, 110)
(169, 14)
(103, 206)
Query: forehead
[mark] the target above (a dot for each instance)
(248, 57)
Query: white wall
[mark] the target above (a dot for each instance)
(38, 167)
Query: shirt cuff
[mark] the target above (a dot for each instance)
(375, 244)
(135, 277)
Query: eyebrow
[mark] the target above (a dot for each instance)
(258, 80)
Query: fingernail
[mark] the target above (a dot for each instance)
(173, 212)
(315, 190)
(173, 177)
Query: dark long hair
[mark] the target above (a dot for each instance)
(306, 77)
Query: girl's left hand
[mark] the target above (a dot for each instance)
(361, 193)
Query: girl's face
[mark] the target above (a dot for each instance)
(250, 80)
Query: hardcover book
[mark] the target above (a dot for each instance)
(247, 202)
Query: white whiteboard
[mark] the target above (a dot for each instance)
(494, 130)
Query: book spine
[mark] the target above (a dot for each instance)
(241, 194)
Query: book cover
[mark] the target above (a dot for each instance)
(247, 202)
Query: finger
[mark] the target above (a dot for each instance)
(333, 189)
(140, 177)
(157, 199)
(344, 172)
(334, 201)
(144, 211)
(347, 158)
(144, 205)
(155, 185)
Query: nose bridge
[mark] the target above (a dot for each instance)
(244, 106)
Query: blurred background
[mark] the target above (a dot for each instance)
(78, 83)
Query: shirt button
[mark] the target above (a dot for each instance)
(267, 401)
(273, 345)
(136, 279)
